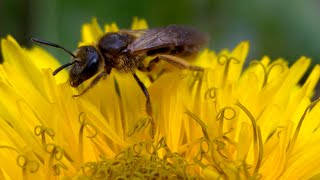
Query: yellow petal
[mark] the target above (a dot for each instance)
(90, 32)
(138, 24)
(111, 28)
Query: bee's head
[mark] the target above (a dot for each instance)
(85, 62)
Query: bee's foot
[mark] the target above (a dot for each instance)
(76, 95)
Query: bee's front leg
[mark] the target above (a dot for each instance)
(93, 83)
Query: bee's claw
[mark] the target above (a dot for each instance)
(75, 96)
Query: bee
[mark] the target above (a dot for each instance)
(125, 51)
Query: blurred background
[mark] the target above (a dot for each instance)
(287, 28)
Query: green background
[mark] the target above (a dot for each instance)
(275, 28)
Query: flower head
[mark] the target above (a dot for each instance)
(225, 122)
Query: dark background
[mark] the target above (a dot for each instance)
(286, 28)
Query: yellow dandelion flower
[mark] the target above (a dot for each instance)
(225, 122)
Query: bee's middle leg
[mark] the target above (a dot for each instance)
(148, 103)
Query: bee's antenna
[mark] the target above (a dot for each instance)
(62, 67)
(53, 45)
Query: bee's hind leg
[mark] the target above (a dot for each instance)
(150, 65)
(173, 60)
(179, 62)
(148, 102)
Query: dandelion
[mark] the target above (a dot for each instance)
(225, 122)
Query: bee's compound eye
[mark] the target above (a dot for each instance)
(92, 61)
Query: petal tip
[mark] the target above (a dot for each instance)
(139, 23)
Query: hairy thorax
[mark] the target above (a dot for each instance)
(125, 63)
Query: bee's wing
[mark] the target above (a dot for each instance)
(169, 36)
